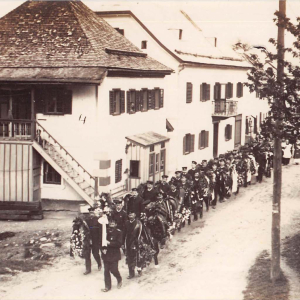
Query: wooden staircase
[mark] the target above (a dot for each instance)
(66, 165)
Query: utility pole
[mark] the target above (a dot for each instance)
(275, 260)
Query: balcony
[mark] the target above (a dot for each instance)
(224, 108)
(12, 129)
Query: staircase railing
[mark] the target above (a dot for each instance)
(46, 140)
(16, 129)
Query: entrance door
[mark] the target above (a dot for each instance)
(216, 138)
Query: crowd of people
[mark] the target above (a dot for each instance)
(141, 222)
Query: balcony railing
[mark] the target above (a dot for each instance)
(224, 108)
(16, 129)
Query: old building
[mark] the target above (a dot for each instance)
(209, 111)
(82, 109)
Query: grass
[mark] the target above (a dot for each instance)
(291, 252)
(260, 286)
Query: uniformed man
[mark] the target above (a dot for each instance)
(131, 240)
(111, 255)
(192, 171)
(96, 235)
(221, 179)
(185, 195)
(119, 214)
(177, 179)
(149, 194)
(164, 186)
(135, 203)
(185, 173)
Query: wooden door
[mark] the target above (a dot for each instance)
(216, 139)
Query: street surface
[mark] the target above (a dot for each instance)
(208, 260)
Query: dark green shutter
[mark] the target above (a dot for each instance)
(217, 91)
(201, 92)
(192, 146)
(111, 103)
(161, 99)
(184, 144)
(128, 102)
(150, 99)
(153, 98)
(208, 92)
(122, 104)
(189, 92)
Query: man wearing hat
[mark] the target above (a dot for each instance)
(111, 255)
(149, 194)
(135, 203)
(192, 171)
(131, 238)
(222, 170)
(96, 235)
(164, 186)
(185, 173)
(118, 214)
(177, 177)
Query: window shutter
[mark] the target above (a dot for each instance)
(242, 87)
(153, 98)
(201, 91)
(207, 92)
(161, 99)
(231, 90)
(200, 141)
(118, 171)
(247, 126)
(150, 99)
(67, 101)
(255, 125)
(230, 132)
(226, 132)
(189, 92)
(192, 146)
(122, 99)
(238, 90)
(184, 145)
(128, 102)
(138, 101)
(111, 103)
(206, 138)
(217, 91)
(227, 91)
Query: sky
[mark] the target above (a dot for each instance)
(228, 20)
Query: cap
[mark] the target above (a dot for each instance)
(149, 182)
(184, 169)
(221, 156)
(221, 159)
(134, 189)
(204, 160)
(178, 172)
(165, 176)
(194, 162)
(117, 201)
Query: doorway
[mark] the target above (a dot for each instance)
(216, 139)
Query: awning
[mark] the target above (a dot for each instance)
(147, 138)
(90, 75)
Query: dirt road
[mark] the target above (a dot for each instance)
(208, 260)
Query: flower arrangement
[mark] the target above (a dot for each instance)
(80, 238)
(186, 212)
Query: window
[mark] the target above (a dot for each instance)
(144, 100)
(54, 101)
(189, 92)
(228, 132)
(162, 145)
(156, 162)
(239, 90)
(116, 102)
(144, 45)
(152, 148)
(50, 175)
(217, 91)
(151, 164)
(157, 98)
(204, 92)
(118, 171)
(134, 168)
(203, 139)
(188, 143)
(133, 101)
(229, 90)
(121, 31)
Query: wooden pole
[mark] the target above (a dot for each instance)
(275, 259)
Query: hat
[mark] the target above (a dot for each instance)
(134, 189)
(204, 160)
(194, 162)
(149, 182)
(165, 176)
(172, 183)
(221, 156)
(184, 169)
(178, 172)
(183, 176)
(221, 159)
(117, 201)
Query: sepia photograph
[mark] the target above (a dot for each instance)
(150, 149)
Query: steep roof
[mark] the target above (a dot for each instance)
(164, 24)
(66, 34)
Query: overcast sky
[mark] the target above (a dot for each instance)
(228, 20)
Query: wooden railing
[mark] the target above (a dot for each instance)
(17, 129)
(224, 108)
(47, 140)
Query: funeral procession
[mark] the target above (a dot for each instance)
(150, 150)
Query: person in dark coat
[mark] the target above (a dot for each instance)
(131, 240)
(96, 236)
(119, 215)
(192, 171)
(164, 187)
(111, 255)
(177, 178)
(149, 194)
(135, 203)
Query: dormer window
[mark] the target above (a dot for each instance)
(144, 45)
(180, 34)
